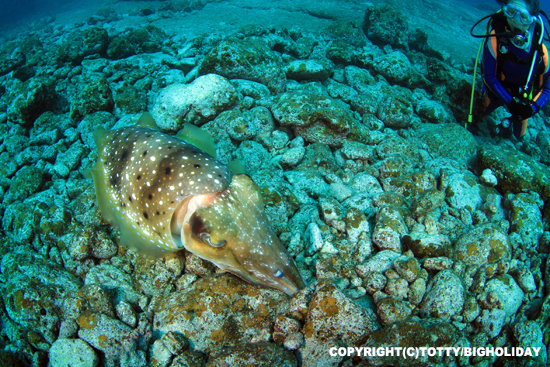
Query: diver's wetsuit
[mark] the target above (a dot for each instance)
(503, 82)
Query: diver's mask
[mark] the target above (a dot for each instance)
(522, 25)
(518, 15)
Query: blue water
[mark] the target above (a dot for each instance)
(13, 11)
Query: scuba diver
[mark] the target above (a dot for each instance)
(515, 64)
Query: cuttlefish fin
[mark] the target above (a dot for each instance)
(147, 120)
(198, 138)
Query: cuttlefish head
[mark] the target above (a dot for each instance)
(231, 230)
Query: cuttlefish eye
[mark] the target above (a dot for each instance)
(278, 274)
(198, 227)
(206, 238)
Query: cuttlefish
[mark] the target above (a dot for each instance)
(165, 194)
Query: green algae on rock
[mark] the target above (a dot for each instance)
(246, 59)
(515, 171)
(484, 244)
(315, 117)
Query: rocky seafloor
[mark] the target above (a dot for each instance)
(408, 229)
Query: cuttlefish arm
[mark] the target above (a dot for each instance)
(231, 230)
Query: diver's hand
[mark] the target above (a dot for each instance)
(520, 109)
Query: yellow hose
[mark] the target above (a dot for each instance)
(474, 84)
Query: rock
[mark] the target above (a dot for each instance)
(449, 141)
(340, 91)
(33, 292)
(219, 310)
(196, 103)
(94, 95)
(90, 122)
(397, 288)
(507, 291)
(32, 98)
(105, 333)
(437, 263)
(250, 89)
(526, 218)
(444, 296)
(315, 117)
(515, 170)
(12, 62)
(407, 267)
(120, 48)
(313, 238)
(425, 245)
(427, 202)
(528, 334)
(256, 354)
(471, 309)
(126, 314)
(356, 224)
(308, 69)
(69, 160)
(397, 146)
(379, 263)
(488, 178)
(82, 43)
(543, 141)
(119, 283)
(129, 99)
(251, 124)
(526, 280)
(395, 66)
(491, 321)
(434, 112)
(345, 31)
(358, 78)
(364, 182)
(391, 310)
(485, 244)
(292, 157)
(464, 192)
(27, 181)
(386, 25)
(389, 229)
(354, 150)
(413, 333)
(72, 352)
(189, 358)
(395, 112)
(416, 291)
(147, 39)
(333, 316)
(249, 59)
(374, 282)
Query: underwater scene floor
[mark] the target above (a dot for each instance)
(251, 183)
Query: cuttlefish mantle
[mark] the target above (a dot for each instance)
(164, 194)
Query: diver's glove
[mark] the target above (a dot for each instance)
(520, 109)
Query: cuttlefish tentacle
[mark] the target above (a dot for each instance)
(164, 194)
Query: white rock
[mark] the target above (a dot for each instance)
(507, 291)
(488, 178)
(73, 353)
(444, 297)
(313, 238)
(197, 103)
